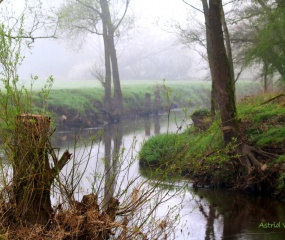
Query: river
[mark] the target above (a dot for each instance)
(203, 214)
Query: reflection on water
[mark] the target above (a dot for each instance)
(207, 214)
(156, 125)
(232, 215)
(112, 134)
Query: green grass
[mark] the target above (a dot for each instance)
(161, 149)
(202, 153)
(80, 95)
(259, 112)
(76, 99)
(268, 121)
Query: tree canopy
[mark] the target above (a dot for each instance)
(258, 34)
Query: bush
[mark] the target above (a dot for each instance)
(160, 150)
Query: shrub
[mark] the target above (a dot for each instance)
(159, 150)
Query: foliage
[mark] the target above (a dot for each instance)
(281, 158)
(260, 36)
(79, 18)
(15, 98)
(203, 156)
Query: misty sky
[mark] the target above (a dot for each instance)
(151, 39)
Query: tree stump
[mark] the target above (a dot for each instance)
(32, 174)
(147, 104)
(157, 101)
(201, 119)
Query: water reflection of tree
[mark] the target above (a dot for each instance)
(156, 120)
(112, 134)
(210, 216)
(240, 213)
(147, 125)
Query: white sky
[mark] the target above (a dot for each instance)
(50, 57)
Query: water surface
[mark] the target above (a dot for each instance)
(205, 214)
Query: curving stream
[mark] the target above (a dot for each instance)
(205, 214)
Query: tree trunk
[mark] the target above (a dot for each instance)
(210, 56)
(157, 101)
(108, 73)
(226, 96)
(118, 99)
(222, 75)
(147, 104)
(248, 170)
(32, 174)
(228, 44)
(265, 76)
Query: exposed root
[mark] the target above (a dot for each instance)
(249, 156)
(258, 176)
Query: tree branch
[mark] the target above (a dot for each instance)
(123, 16)
(193, 6)
(263, 5)
(33, 38)
(272, 99)
(87, 29)
(90, 7)
(58, 165)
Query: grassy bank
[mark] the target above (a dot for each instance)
(79, 94)
(84, 98)
(201, 155)
(179, 93)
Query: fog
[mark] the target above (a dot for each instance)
(150, 50)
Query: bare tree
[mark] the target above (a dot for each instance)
(81, 17)
(32, 21)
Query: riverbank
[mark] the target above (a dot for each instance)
(79, 104)
(201, 156)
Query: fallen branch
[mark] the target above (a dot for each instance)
(272, 99)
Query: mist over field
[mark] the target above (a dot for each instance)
(150, 50)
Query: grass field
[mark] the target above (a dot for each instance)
(87, 94)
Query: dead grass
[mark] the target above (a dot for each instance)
(84, 220)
